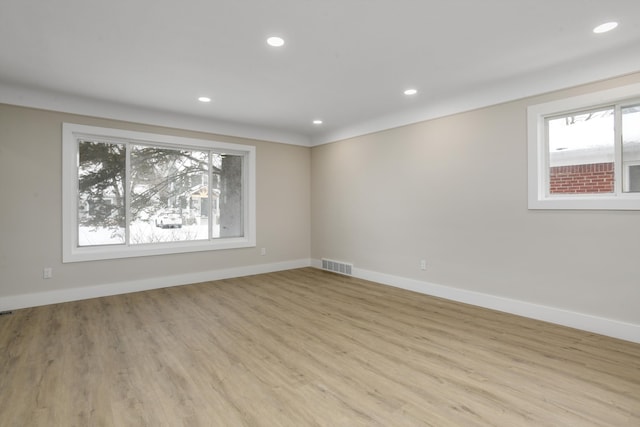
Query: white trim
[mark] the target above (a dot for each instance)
(71, 252)
(65, 103)
(74, 294)
(538, 157)
(586, 322)
(559, 316)
(610, 64)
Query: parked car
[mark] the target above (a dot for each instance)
(168, 218)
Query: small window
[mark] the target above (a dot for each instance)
(581, 152)
(133, 194)
(584, 152)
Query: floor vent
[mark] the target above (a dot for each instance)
(337, 267)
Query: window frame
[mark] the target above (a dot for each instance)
(538, 153)
(72, 252)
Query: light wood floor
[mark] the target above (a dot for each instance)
(305, 348)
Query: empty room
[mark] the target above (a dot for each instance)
(288, 213)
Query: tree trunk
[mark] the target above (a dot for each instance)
(231, 218)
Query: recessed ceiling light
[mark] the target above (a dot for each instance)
(603, 28)
(410, 92)
(317, 122)
(204, 99)
(275, 41)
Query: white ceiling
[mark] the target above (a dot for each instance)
(346, 62)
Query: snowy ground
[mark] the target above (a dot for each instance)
(142, 232)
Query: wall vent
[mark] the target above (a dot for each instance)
(337, 267)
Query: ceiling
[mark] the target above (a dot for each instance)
(346, 62)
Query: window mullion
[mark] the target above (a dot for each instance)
(618, 167)
(127, 194)
(545, 169)
(210, 218)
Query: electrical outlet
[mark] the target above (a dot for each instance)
(423, 264)
(263, 251)
(47, 273)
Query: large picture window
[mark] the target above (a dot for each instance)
(134, 194)
(584, 152)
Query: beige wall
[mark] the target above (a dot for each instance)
(30, 213)
(453, 191)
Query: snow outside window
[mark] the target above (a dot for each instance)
(584, 151)
(131, 194)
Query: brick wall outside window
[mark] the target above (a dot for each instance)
(576, 179)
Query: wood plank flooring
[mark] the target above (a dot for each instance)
(305, 348)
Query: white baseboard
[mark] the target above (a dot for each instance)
(74, 294)
(585, 322)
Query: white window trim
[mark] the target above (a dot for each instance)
(538, 154)
(71, 252)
